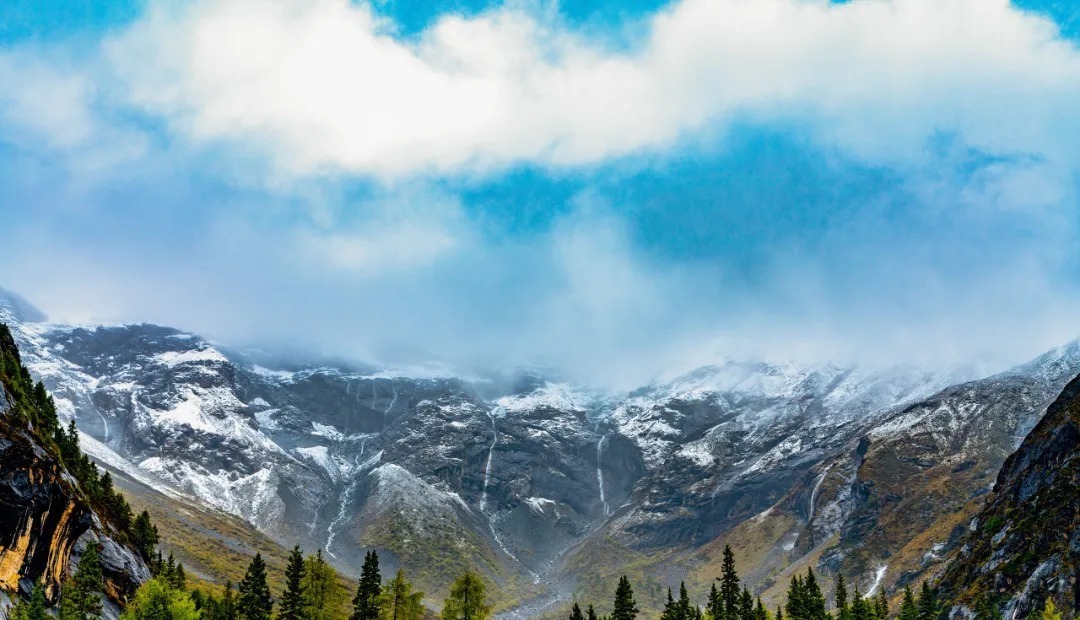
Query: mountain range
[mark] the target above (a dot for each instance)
(551, 489)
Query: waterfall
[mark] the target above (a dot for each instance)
(879, 576)
(813, 494)
(600, 473)
(393, 400)
(487, 466)
(346, 498)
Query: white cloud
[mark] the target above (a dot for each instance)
(324, 85)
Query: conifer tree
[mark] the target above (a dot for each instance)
(671, 609)
(779, 613)
(796, 599)
(398, 601)
(319, 587)
(79, 596)
(814, 600)
(729, 587)
(860, 608)
(908, 609)
(715, 604)
(366, 601)
(291, 604)
(591, 615)
(575, 613)
(843, 612)
(760, 613)
(144, 534)
(746, 605)
(255, 602)
(467, 599)
(625, 608)
(34, 609)
(686, 609)
(881, 605)
(928, 605)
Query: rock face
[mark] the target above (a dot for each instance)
(1024, 545)
(543, 485)
(46, 522)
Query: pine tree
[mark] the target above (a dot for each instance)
(715, 604)
(144, 534)
(860, 608)
(796, 599)
(398, 601)
(179, 578)
(908, 609)
(320, 588)
(686, 609)
(814, 600)
(729, 587)
(928, 605)
(671, 608)
(467, 600)
(746, 605)
(366, 601)
(34, 609)
(291, 604)
(881, 605)
(591, 615)
(575, 613)
(779, 613)
(254, 601)
(229, 603)
(843, 612)
(1050, 611)
(625, 608)
(760, 613)
(79, 596)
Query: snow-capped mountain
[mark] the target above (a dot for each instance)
(538, 482)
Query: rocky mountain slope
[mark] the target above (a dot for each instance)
(1024, 545)
(547, 486)
(48, 520)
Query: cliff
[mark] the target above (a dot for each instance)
(1024, 545)
(47, 520)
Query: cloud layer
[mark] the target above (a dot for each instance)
(876, 180)
(326, 85)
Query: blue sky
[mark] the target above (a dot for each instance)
(615, 189)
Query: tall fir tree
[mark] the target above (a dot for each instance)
(34, 609)
(80, 597)
(928, 604)
(591, 615)
(881, 605)
(467, 599)
(729, 587)
(575, 613)
(909, 610)
(366, 601)
(398, 601)
(671, 608)
(686, 609)
(715, 604)
(746, 605)
(760, 613)
(291, 603)
(843, 611)
(625, 607)
(860, 607)
(814, 600)
(255, 602)
(796, 599)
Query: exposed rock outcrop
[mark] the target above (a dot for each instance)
(1024, 546)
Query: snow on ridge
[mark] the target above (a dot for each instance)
(320, 455)
(559, 396)
(538, 504)
(252, 497)
(397, 485)
(173, 359)
(270, 373)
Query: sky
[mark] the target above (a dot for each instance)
(613, 189)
